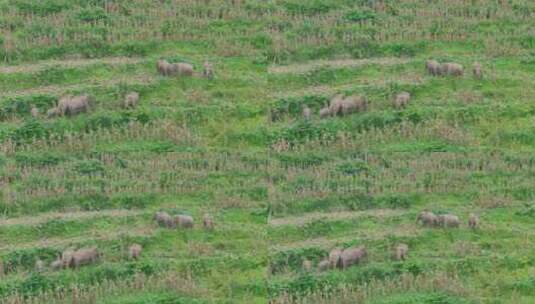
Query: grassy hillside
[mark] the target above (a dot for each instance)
(281, 189)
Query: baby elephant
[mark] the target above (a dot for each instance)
(183, 221)
(325, 112)
(34, 112)
(57, 264)
(134, 251)
(473, 221)
(39, 266)
(324, 265)
(66, 257)
(208, 70)
(207, 222)
(131, 100)
(53, 112)
(334, 257)
(400, 252)
(307, 113)
(352, 256)
(306, 265)
(402, 100)
(476, 70)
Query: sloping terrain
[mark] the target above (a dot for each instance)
(282, 189)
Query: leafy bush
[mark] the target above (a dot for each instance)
(38, 159)
(314, 53)
(54, 74)
(353, 168)
(54, 51)
(524, 285)
(365, 48)
(92, 14)
(25, 258)
(29, 131)
(22, 105)
(528, 210)
(356, 200)
(311, 7)
(304, 284)
(94, 47)
(160, 146)
(255, 194)
(89, 202)
(397, 201)
(322, 76)
(256, 161)
(108, 120)
(346, 201)
(527, 42)
(303, 160)
(89, 167)
(41, 8)
(133, 201)
(90, 48)
(261, 41)
(133, 48)
(303, 131)
(99, 273)
(294, 106)
(260, 8)
(35, 283)
(422, 297)
(403, 49)
(360, 15)
(292, 259)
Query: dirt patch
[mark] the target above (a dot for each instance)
(45, 217)
(333, 216)
(340, 63)
(68, 63)
(407, 230)
(407, 79)
(62, 89)
(94, 236)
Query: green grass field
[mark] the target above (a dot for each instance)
(281, 189)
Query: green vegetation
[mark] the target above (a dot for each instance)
(281, 189)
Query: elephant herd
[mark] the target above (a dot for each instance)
(339, 258)
(70, 105)
(74, 259)
(163, 219)
(341, 105)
